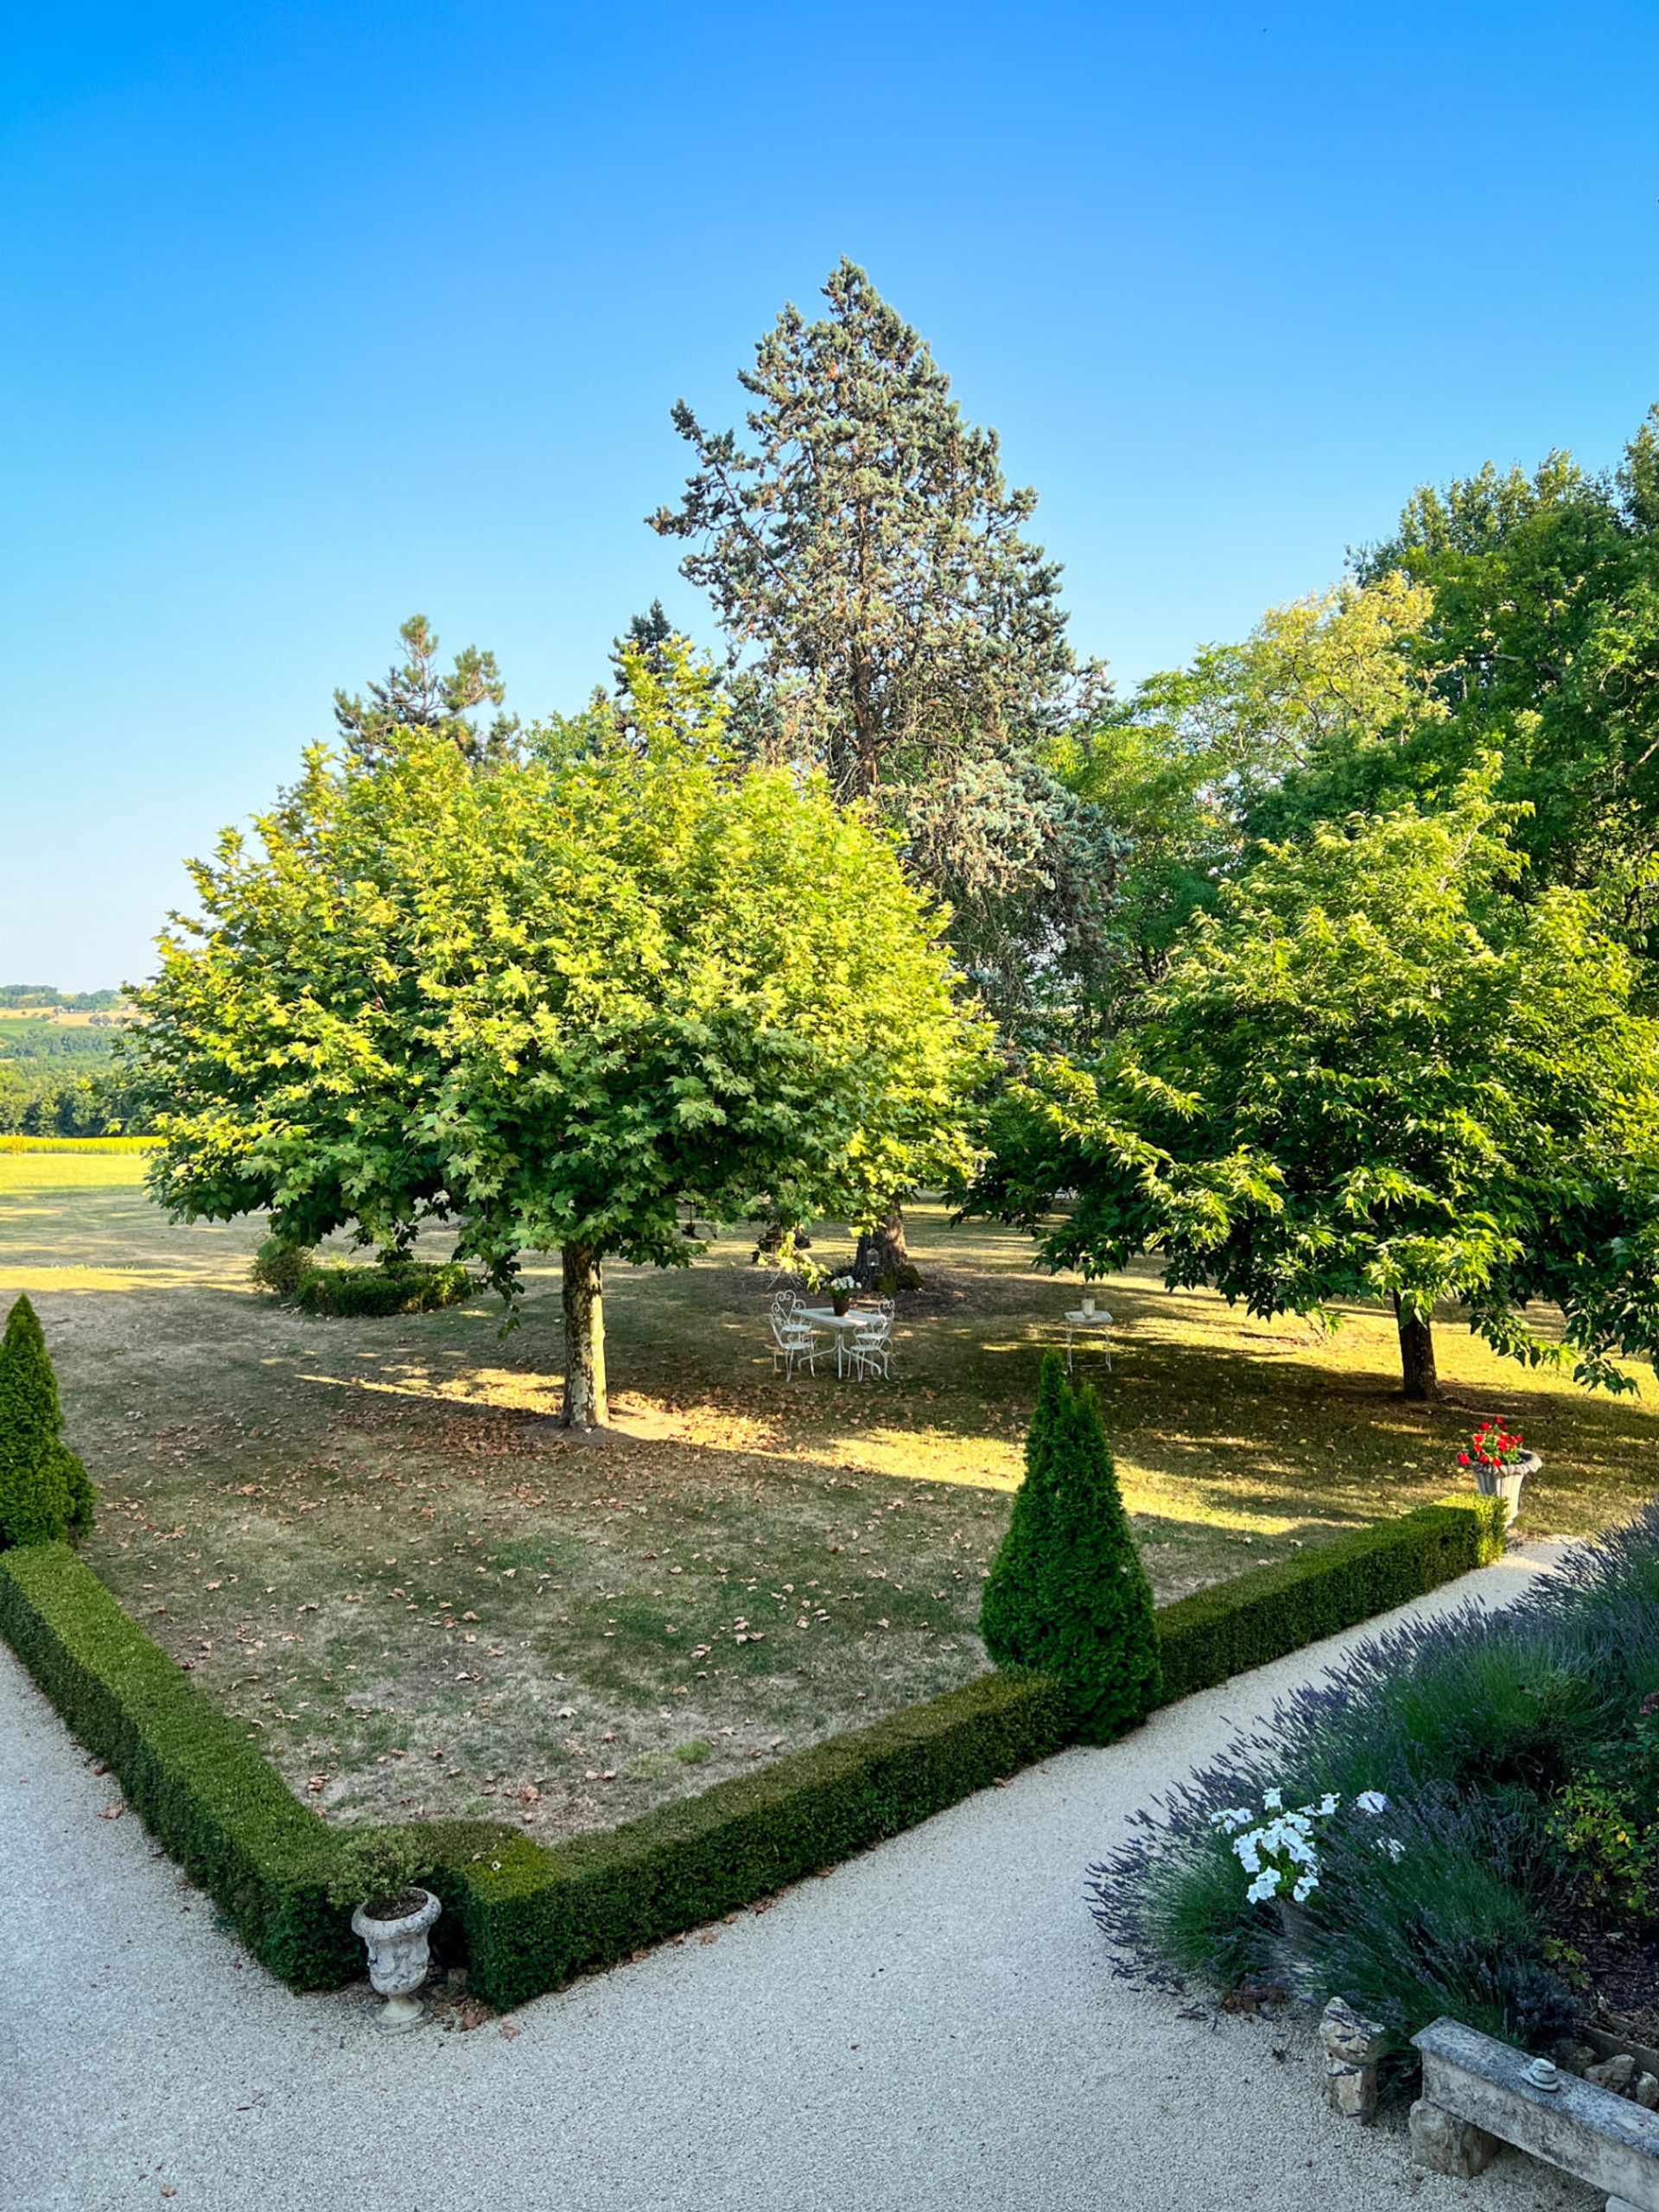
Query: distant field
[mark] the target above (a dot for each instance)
(28, 1037)
(82, 1145)
(34, 1020)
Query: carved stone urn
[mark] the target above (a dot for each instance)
(399, 1956)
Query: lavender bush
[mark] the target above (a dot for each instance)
(1439, 1749)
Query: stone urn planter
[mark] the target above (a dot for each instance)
(399, 1956)
(1505, 1482)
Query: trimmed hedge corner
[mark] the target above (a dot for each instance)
(202, 1789)
(1232, 1626)
(533, 1917)
(527, 1918)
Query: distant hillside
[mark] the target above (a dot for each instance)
(60, 1075)
(42, 995)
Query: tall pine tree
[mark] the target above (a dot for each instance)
(896, 628)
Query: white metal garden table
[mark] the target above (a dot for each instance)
(845, 1326)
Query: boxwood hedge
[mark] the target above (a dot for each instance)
(526, 1917)
(1234, 1625)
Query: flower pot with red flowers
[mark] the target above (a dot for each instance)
(1498, 1459)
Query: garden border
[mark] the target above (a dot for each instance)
(527, 1917)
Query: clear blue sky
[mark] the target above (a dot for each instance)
(317, 315)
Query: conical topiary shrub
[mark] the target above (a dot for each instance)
(44, 1489)
(1067, 1594)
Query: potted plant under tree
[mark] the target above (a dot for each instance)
(1500, 1462)
(840, 1292)
(375, 1875)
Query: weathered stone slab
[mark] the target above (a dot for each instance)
(1353, 2048)
(1601, 2139)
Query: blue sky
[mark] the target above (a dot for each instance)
(318, 316)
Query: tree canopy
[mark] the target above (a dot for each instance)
(1185, 765)
(1372, 1073)
(1541, 645)
(417, 694)
(551, 1001)
(896, 628)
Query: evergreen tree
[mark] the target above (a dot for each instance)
(418, 696)
(897, 629)
(1067, 1594)
(646, 638)
(44, 1489)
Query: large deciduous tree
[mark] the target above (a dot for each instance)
(1375, 1073)
(1542, 643)
(554, 1000)
(1184, 764)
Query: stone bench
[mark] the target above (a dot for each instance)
(1478, 2092)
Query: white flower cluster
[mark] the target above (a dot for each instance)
(843, 1284)
(1279, 1852)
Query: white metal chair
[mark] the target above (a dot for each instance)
(871, 1349)
(794, 1342)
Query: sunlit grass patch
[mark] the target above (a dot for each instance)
(367, 1539)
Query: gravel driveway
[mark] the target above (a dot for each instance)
(930, 2026)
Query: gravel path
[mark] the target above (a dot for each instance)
(930, 2026)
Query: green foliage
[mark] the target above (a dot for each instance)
(904, 635)
(282, 1267)
(394, 1283)
(1373, 1074)
(1605, 1820)
(377, 1869)
(1542, 647)
(1232, 1626)
(45, 1491)
(1067, 1595)
(415, 697)
(187, 1769)
(555, 1000)
(1182, 766)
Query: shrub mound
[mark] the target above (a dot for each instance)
(391, 1284)
(1484, 1737)
(45, 1491)
(1067, 1594)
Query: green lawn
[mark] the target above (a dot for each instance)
(367, 1539)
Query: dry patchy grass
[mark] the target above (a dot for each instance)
(368, 1540)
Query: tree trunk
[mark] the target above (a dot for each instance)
(586, 1405)
(882, 1260)
(1416, 1355)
